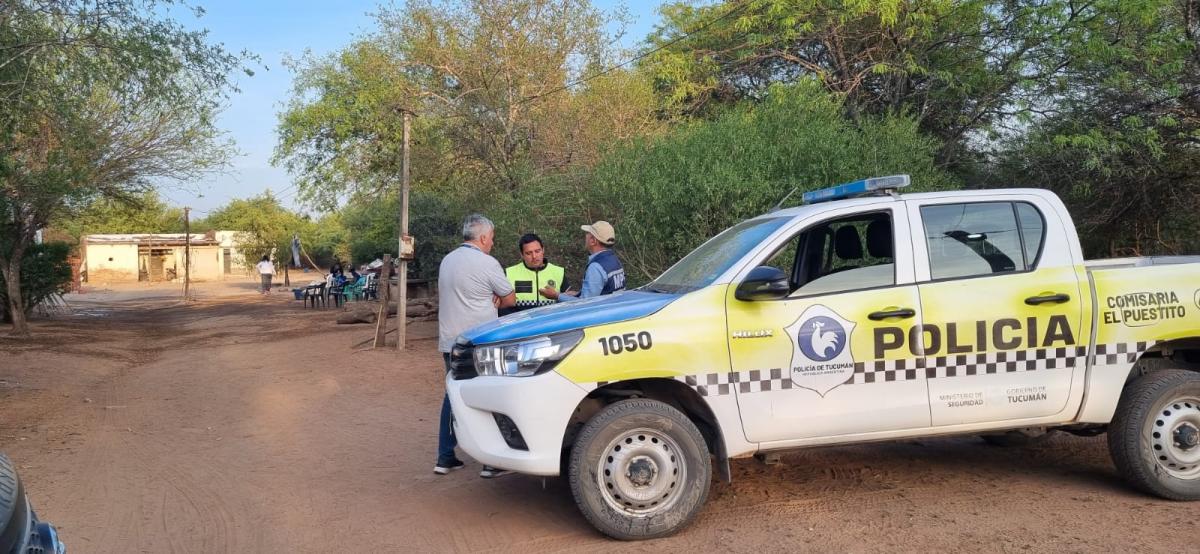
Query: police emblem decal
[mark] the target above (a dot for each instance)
(821, 356)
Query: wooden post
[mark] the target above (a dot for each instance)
(385, 280)
(187, 252)
(402, 303)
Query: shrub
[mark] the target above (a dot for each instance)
(665, 195)
(45, 274)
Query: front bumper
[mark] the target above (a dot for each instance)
(540, 406)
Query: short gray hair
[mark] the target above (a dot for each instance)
(475, 225)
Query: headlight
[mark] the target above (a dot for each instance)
(526, 357)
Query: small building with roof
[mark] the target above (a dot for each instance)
(153, 257)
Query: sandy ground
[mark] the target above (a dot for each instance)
(244, 423)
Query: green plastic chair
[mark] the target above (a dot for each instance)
(354, 291)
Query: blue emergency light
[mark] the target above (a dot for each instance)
(857, 188)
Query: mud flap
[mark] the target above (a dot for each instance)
(723, 470)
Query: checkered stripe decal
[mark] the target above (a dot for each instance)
(990, 363)
(938, 367)
(533, 303)
(1121, 352)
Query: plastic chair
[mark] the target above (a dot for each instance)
(354, 290)
(314, 293)
(337, 293)
(371, 289)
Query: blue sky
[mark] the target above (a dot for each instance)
(273, 29)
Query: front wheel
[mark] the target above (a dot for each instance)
(639, 469)
(1154, 438)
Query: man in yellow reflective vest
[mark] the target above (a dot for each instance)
(533, 274)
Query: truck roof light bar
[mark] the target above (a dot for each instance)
(856, 188)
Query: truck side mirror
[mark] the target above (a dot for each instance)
(763, 283)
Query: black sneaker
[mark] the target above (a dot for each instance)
(443, 468)
(489, 472)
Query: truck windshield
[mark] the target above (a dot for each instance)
(700, 268)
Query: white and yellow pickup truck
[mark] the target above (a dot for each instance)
(862, 315)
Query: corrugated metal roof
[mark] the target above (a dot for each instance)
(197, 239)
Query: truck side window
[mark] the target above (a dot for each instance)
(841, 255)
(1032, 232)
(981, 238)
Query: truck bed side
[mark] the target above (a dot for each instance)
(1141, 308)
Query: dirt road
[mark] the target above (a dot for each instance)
(242, 423)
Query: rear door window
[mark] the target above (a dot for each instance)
(981, 238)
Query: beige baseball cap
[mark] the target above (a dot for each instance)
(603, 231)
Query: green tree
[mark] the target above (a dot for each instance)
(1124, 149)
(99, 98)
(667, 194)
(489, 81)
(143, 213)
(265, 227)
(46, 274)
(964, 69)
(372, 228)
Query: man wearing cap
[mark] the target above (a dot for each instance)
(533, 273)
(604, 274)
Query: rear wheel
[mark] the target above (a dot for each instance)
(1154, 438)
(639, 470)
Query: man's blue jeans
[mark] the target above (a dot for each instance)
(446, 440)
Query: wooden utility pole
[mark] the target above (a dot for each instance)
(187, 252)
(402, 302)
(385, 283)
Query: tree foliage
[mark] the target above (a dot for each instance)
(1124, 148)
(964, 69)
(733, 103)
(265, 228)
(98, 99)
(144, 213)
(45, 274)
(487, 82)
(668, 194)
(372, 230)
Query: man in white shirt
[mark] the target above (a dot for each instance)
(471, 286)
(266, 271)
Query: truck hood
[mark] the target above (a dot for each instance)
(566, 316)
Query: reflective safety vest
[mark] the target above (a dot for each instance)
(528, 283)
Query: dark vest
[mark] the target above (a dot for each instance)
(614, 272)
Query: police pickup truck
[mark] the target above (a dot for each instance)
(861, 315)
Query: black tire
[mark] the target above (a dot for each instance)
(1016, 438)
(1142, 436)
(14, 509)
(650, 427)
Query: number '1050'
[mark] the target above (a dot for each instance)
(628, 342)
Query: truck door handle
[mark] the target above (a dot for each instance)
(902, 313)
(1058, 298)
